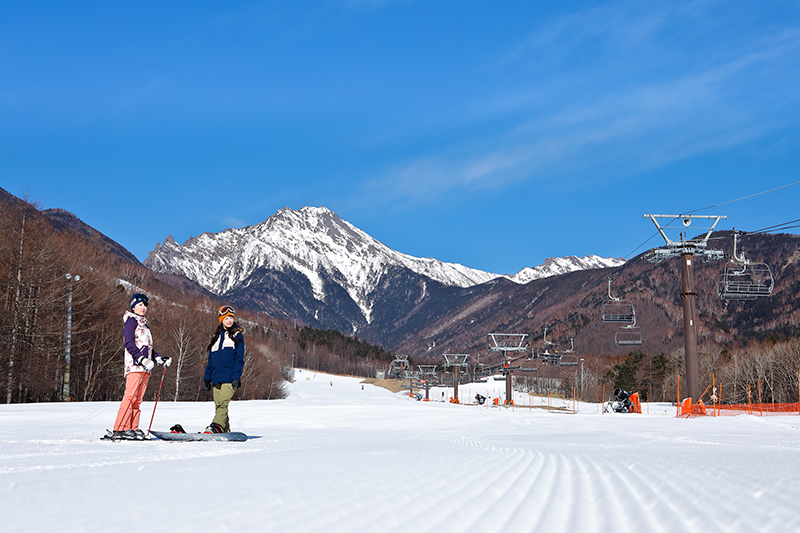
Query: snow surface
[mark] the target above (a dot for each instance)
(340, 456)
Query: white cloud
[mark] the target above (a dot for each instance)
(601, 121)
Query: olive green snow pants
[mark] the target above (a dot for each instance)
(223, 392)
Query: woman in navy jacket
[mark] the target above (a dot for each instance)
(224, 368)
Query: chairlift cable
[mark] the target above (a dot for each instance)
(743, 198)
(630, 254)
(776, 227)
(764, 230)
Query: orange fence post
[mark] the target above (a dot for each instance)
(760, 402)
(603, 411)
(678, 399)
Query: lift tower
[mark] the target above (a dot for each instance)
(456, 361)
(687, 250)
(506, 343)
(427, 373)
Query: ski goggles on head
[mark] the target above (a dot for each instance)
(139, 298)
(226, 310)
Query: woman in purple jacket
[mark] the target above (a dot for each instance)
(224, 368)
(139, 361)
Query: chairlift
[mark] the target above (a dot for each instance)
(531, 368)
(398, 366)
(569, 357)
(480, 371)
(552, 351)
(616, 310)
(743, 280)
(628, 336)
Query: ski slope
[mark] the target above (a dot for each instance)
(339, 456)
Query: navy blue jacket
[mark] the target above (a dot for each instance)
(226, 358)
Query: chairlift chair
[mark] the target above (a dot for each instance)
(628, 336)
(743, 280)
(552, 351)
(616, 310)
(569, 357)
(531, 368)
(549, 358)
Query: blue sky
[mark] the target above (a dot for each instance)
(492, 134)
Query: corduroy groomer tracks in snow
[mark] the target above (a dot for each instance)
(349, 458)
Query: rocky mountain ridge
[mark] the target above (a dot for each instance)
(321, 261)
(425, 318)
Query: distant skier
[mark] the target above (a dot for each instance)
(139, 357)
(224, 368)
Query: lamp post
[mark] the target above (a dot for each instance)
(68, 351)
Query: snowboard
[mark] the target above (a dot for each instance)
(233, 436)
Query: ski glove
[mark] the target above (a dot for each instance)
(148, 364)
(166, 361)
(235, 384)
(207, 384)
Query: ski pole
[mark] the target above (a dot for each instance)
(156, 404)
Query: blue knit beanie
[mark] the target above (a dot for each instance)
(136, 298)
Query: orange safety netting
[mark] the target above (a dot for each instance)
(687, 408)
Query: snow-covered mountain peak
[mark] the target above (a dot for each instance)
(311, 240)
(554, 266)
(318, 244)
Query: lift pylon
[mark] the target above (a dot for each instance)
(508, 343)
(456, 360)
(427, 374)
(687, 249)
(398, 366)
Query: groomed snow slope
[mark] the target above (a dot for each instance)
(339, 456)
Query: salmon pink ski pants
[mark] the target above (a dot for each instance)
(128, 414)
